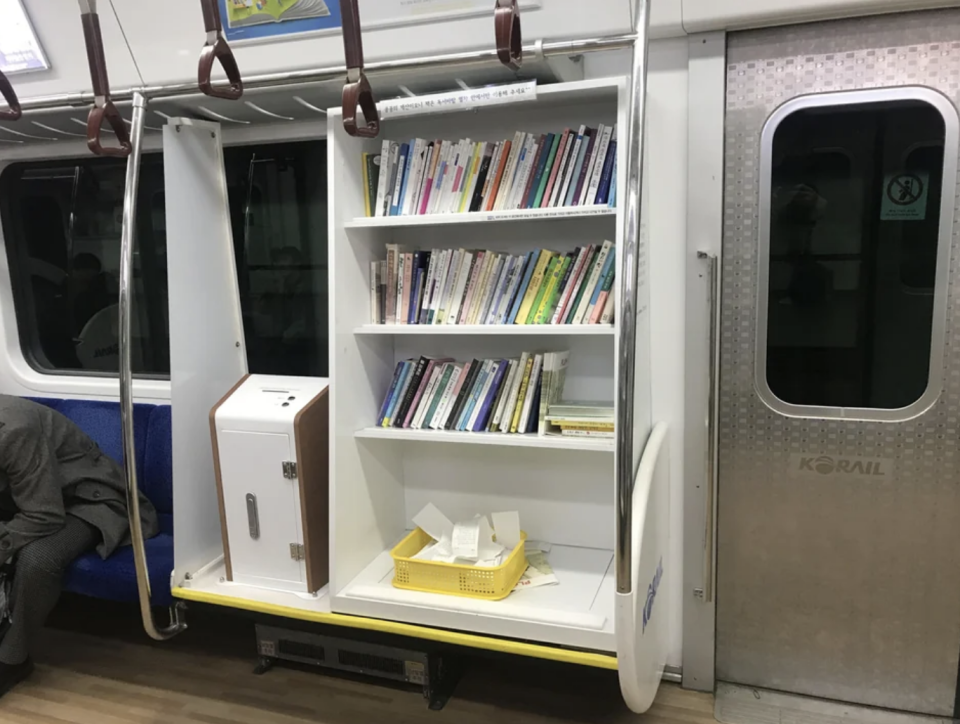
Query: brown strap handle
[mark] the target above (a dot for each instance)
(357, 90)
(10, 96)
(506, 20)
(217, 48)
(103, 108)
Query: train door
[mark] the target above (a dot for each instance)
(838, 539)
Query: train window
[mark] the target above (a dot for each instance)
(61, 224)
(856, 212)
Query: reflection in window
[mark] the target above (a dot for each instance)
(61, 224)
(854, 234)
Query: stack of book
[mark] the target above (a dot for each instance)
(481, 395)
(575, 167)
(460, 286)
(580, 419)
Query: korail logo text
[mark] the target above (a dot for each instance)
(817, 466)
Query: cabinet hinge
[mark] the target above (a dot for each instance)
(297, 552)
(290, 470)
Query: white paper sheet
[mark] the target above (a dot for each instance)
(507, 527)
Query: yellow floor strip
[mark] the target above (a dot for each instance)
(583, 658)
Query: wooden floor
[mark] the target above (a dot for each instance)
(96, 668)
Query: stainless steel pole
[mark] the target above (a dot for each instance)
(627, 312)
(127, 241)
(336, 73)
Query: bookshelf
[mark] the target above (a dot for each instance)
(564, 489)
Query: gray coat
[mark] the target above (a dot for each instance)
(50, 468)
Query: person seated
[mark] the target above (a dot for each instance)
(60, 497)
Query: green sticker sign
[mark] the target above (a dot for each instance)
(905, 196)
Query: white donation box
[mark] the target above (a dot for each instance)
(271, 456)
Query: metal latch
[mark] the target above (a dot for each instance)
(289, 470)
(297, 552)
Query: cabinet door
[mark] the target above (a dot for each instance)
(58, 28)
(260, 532)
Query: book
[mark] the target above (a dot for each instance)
(399, 392)
(393, 253)
(505, 301)
(605, 286)
(569, 168)
(467, 264)
(374, 291)
(391, 178)
(382, 292)
(491, 196)
(536, 169)
(486, 406)
(371, 179)
(404, 153)
(599, 426)
(449, 283)
(587, 433)
(391, 391)
(589, 261)
(607, 316)
(443, 381)
(554, 377)
(477, 199)
(436, 150)
(612, 202)
(476, 268)
(491, 174)
(465, 389)
(583, 409)
(469, 178)
(596, 172)
(413, 176)
(500, 289)
(531, 422)
(548, 274)
(490, 288)
(563, 278)
(444, 423)
(507, 180)
(509, 407)
(556, 167)
(523, 172)
(483, 392)
(412, 388)
(449, 392)
(504, 395)
(589, 167)
(576, 176)
(529, 264)
(606, 175)
(522, 393)
(471, 399)
(536, 281)
(544, 176)
(422, 406)
(569, 284)
(405, 180)
(387, 159)
(591, 284)
(532, 387)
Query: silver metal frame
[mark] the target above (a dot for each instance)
(713, 414)
(952, 133)
(127, 240)
(626, 375)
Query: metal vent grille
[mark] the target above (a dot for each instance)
(301, 650)
(370, 662)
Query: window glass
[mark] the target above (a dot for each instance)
(61, 224)
(854, 220)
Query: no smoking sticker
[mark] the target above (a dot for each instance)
(905, 196)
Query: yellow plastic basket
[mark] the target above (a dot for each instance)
(490, 584)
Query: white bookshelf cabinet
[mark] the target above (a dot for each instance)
(564, 490)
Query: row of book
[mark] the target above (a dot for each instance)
(481, 395)
(580, 419)
(461, 286)
(529, 171)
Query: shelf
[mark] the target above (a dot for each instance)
(479, 217)
(579, 611)
(504, 330)
(488, 438)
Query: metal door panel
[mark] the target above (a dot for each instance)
(830, 584)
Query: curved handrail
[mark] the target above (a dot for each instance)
(127, 236)
(627, 311)
(217, 48)
(506, 23)
(356, 90)
(103, 108)
(10, 96)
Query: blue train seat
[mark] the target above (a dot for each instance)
(115, 579)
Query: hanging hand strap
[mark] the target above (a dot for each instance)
(356, 91)
(506, 19)
(10, 96)
(103, 107)
(216, 48)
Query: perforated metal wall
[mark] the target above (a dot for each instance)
(832, 584)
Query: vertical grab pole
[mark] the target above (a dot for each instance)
(127, 240)
(356, 90)
(626, 376)
(14, 112)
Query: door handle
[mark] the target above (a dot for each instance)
(103, 108)
(506, 21)
(14, 112)
(713, 410)
(217, 48)
(356, 90)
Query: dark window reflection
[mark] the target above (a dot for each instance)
(855, 203)
(62, 225)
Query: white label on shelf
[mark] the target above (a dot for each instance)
(601, 210)
(459, 100)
